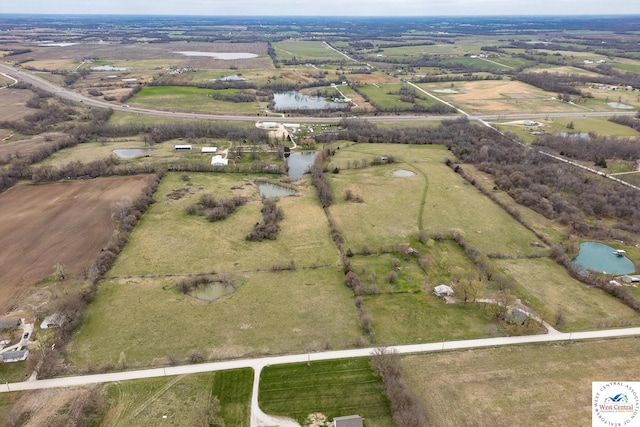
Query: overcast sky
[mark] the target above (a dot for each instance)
(324, 7)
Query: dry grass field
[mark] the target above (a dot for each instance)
(13, 103)
(21, 147)
(532, 385)
(500, 97)
(65, 222)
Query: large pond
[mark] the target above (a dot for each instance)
(130, 153)
(293, 100)
(268, 190)
(600, 257)
(219, 55)
(300, 163)
(212, 291)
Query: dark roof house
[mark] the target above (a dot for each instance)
(11, 323)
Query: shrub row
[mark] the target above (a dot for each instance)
(267, 228)
(405, 406)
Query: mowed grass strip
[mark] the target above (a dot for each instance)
(528, 385)
(551, 290)
(181, 399)
(333, 388)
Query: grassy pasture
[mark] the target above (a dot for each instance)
(518, 385)
(333, 388)
(168, 240)
(413, 318)
(307, 50)
(189, 99)
(181, 399)
(270, 313)
(380, 95)
(436, 197)
(547, 288)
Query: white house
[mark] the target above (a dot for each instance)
(218, 160)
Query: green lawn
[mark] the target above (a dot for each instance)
(180, 400)
(333, 388)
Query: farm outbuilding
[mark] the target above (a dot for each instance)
(183, 147)
(10, 323)
(631, 279)
(14, 356)
(348, 421)
(218, 160)
(443, 290)
(54, 321)
(209, 149)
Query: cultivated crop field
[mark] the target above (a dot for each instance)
(518, 385)
(42, 225)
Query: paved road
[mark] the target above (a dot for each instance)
(307, 357)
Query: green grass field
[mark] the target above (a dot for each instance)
(333, 388)
(187, 98)
(549, 290)
(385, 98)
(306, 50)
(436, 200)
(522, 385)
(180, 400)
(414, 318)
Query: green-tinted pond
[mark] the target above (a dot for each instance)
(600, 257)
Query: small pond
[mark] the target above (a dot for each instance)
(619, 106)
(130, 153)
(402, 173)
(581, 135)
(600, 257)
(212, 291)
(219, 55)
(445, 91)
(232, 78)
(293, 100)
(268, 190)
(299, 163)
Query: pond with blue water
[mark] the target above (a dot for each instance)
(602, 258)
(268, 190)
(300, 163)
(130, 153)
(293, 100)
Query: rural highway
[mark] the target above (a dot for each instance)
(71, 95)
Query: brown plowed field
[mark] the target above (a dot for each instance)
(65, 222)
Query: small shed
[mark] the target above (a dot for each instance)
(183, 147)
(14, 356)
(348, 421)
(10, 323)
(443, 290)
(218, 160)
(209, 149)
(631, 279)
